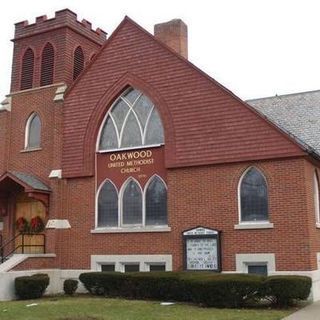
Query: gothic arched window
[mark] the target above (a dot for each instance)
(253, 196)
(33, 132)
(108, 205)
(132, 122)
(156, 202)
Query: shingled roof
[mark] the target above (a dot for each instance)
(297, 114)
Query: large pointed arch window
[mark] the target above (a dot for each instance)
(27, 70)
(47, 65)
(132, 122)
(108, 205)
(33, 132)
(253, 196)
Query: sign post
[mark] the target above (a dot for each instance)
(202, 249)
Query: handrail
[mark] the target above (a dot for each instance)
(4, 256)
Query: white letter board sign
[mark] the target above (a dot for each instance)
(202, 249)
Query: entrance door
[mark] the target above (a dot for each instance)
(29, 208)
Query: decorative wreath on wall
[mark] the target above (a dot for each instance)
(22, 225)
(36, 225)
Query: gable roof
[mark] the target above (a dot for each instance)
(29, 182)
(298, 114)
(204, 122)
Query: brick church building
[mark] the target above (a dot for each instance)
(133, 159)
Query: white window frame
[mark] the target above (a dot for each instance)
(120, 261)
(316, 198)
(119, 136)
(27, 132)
(129, 227)
(243, 260)
(262, 224)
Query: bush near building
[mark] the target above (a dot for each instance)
(207, 289)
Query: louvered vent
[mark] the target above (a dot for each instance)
(47, 65)
(27, 70)
(78, 62)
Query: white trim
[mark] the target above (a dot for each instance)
(132, 229)
(120, 260)
(5, 105)
(1, 226)
(245, 259)
(56, 174)
(254, 225)
(131, 148)
(58, 224)
(239, 195)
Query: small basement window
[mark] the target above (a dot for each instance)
(132, 267)
(157, 267)
(259, 269)
(108, 267)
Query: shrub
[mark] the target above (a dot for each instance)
(226, 290)
(31, 287)
(282, 291)
(204, 288)
(70, 286)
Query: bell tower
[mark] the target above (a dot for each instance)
(52, 50)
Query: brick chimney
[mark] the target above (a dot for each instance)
(174, 34)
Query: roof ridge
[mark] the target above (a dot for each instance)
(284, 95)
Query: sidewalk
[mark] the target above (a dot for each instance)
(310, 312)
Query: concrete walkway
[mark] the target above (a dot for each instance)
(310, 312)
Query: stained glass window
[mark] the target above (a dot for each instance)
(108, 205)
(33, 132)
(136, 122)
(254, 196)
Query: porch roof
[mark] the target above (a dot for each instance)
(28, 181)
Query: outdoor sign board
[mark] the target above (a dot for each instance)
(202, 249)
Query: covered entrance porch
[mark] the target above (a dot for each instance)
(24, 205)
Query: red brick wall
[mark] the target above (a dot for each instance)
(64, 41)
(36, 264)
(204, 196)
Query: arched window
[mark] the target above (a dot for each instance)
(78, 62)
(134, 209)
(108, 205)
(132, 122)
(132, 203)
(253, 196)
(316, 196)
(33, 132)
(156, 202)
(47, 65)
(27, 70)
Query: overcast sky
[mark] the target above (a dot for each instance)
(255, 48)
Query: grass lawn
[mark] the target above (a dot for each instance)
(95, 308)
